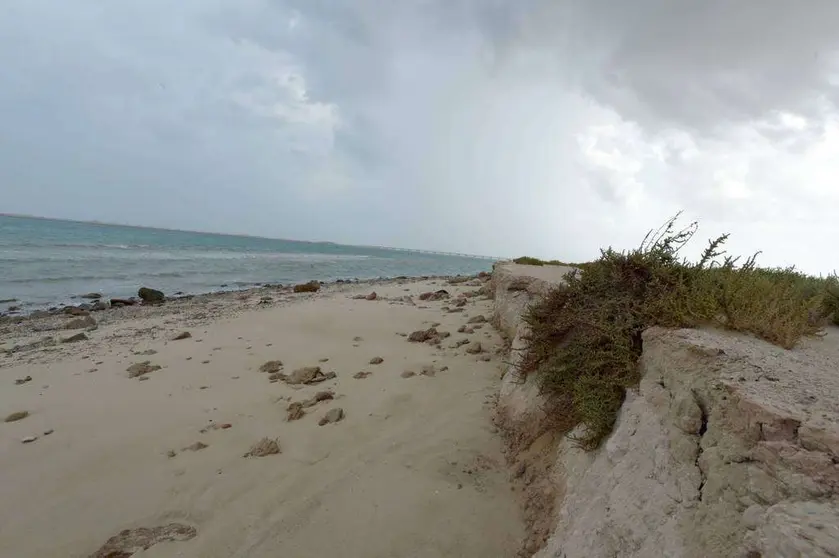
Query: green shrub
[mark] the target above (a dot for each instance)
(527, 260)
(585, 336)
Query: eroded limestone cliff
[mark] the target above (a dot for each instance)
(729, 446)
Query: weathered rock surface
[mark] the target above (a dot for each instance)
(131, 541)
(142, 368)
(474, 348)
(271, 366)
(310, 287)
(728, 447)
(422, 335)
(16, 416)
(264, 448)
(150, 296)
(306, 375)
(436, 295)
(332, 416)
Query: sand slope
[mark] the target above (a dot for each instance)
(413, 470)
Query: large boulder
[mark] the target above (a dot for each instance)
(310, 287)
(150, 296)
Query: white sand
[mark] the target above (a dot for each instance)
(413, 470)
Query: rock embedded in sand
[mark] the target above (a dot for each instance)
(332, 416)
(436, 295)
(75, 338)
(408, 374)
(422, 335)
(429, 370)
(150, 296)
(295, 411)
(310, 287)
(21, 381)
(304, 375)
(142, 368)
(80, 323)
(263, 448)
(371, 296)
(485, 357)
(197, 446)
(307, 375)
(361, 375)
(271, 366)
(322, 396)
(479, 319)
(377, 360)
(75, 311)
(16, 416)
(28, 439)
(474, 348)
(182, 335)
(312, 401)
(131, 541)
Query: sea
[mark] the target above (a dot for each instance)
(46, 262)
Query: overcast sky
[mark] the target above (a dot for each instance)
(498, 127)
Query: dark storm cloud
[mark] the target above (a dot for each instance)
(499, 127)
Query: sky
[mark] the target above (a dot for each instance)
(551, 128)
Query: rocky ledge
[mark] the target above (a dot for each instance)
(729, 447)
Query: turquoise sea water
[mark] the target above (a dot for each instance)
(45, 261)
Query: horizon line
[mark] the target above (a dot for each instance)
(242, 235)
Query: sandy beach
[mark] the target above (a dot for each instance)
(387, 451)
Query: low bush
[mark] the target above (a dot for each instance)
(585, 338)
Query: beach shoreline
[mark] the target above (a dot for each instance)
(145, 424)
(15, 308)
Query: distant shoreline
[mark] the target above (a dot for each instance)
(243, 235)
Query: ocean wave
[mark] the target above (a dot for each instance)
(102, 255)
(121, 277)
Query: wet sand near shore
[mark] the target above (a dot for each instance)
(283, 424)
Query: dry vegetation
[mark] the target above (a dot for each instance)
(585, 336)
(527, 260)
